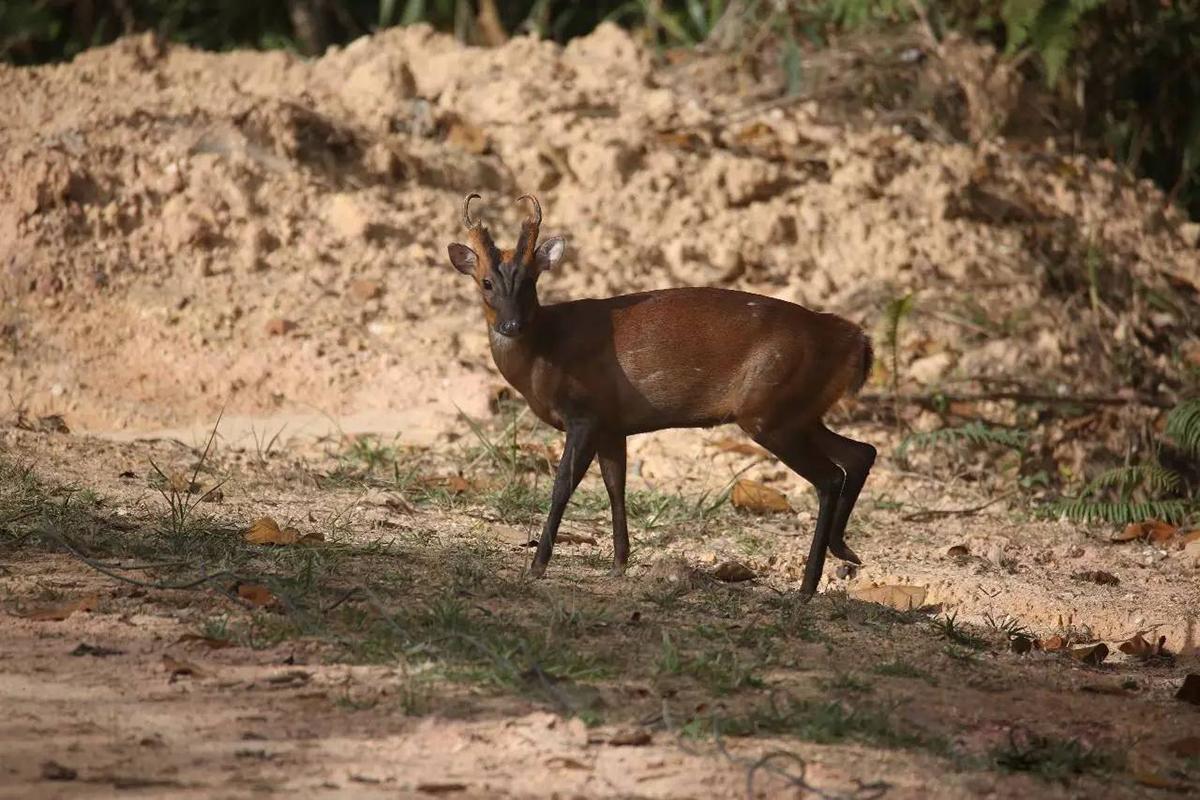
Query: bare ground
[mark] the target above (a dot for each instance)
(184, 232)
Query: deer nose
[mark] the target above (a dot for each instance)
(510, 327)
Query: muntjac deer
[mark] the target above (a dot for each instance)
(602, 370)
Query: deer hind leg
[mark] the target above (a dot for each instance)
(612, 467)
(800, 452)
(855, 459)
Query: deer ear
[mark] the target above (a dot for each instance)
(549, 253)
(463, 258)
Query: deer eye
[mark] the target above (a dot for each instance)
(487, 284)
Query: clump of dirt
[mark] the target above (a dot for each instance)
(180, 230)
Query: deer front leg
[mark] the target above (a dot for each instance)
(577, 456)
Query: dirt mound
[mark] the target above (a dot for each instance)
(180, 229)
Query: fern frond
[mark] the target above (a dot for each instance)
(1121, 513)
(1183, 426)
(1151, 477)
(973, 433)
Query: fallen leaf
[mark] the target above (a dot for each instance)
(632, 737)
(1159, 531)
(54, 771)
(1132, 532)
(1187, 747)
(441, 787)
(755, 497)
(1053, 644)
(566, 761)
(210, 642)
(1152, 779)
(455, 484)
(311, 539)
(1097, 576)
(574, 538)
(901, 598)
(1189, 692)
(731, 445)
(176, 668)
(256, 593)
(1114, 689)
(98, 651)
(733, 572)
(57, 613)
(958, 551)
(1191, 536)
(265, 530)
(1092, 655)
(1139, 647)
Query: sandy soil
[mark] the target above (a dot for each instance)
(183, 232)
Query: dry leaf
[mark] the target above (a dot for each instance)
(1020, 644)
(265, 530)
(1132, 532)
(1156, 781)
(1140, 648)
(1189, 692)
(455, 484)
(96, 650)
(1187, 747)
(901, 598)
(1053, 644)
(1191, 536)
(311, 539)
(731, 445)
(634, 737)
(256, 593)
(1097, 576)
(213, 496)
(733, 572)
(208, 641)
(1092, 655)
(753, 496)
(574, 538)
(441, 787)
(176, 668)
(958, 551)
(1160, 532)
(57, 613)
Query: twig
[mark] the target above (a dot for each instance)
(932, 513)
(1026, 397)
(869, 791)
(103, 569)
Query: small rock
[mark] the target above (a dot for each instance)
(362, 290)
(931, 368)
(347, 216)
(733, 572)
(54, 771)
(635, 737)
(1190, 233)
(280, 327)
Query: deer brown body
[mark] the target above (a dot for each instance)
(604, 369)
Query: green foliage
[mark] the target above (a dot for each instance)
(1051, 758)
(1140, 491)
(974, 433)
(1183, 426)
(1120, 512)
(894, 315)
